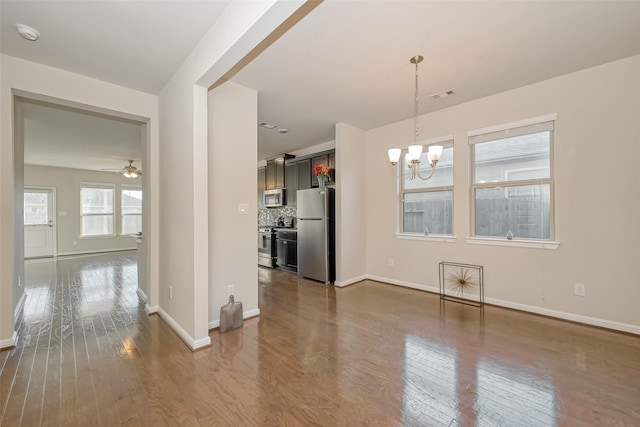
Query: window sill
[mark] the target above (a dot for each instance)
(539, 244)
(428, 237)
(98, 236)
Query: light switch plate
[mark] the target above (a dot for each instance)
(243, 208)
(62, 213)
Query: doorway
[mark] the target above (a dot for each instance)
(39, 222)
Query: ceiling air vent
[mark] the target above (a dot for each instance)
(443, 94)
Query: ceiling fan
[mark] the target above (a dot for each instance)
(128, 171)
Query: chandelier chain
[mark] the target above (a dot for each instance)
(415, 107)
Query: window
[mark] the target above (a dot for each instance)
(97, 209)
(131, 198)
(512, 180)
(427, 206)
(36, 207)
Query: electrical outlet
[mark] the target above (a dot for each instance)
(391, 263)
(231, 290)
(580, 290)
(75, 243)
(170, 291)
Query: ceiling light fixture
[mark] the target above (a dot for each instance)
(130, 171)
(414, 152)
(27, 33)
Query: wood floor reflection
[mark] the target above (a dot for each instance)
(370, 354)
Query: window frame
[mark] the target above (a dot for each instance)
(476, 137)
(124, 187)
(447, 141)
(102, 186)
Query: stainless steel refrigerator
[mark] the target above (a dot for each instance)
(316, 234)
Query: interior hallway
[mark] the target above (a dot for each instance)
(368, 354)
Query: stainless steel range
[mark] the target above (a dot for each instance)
(267, 247)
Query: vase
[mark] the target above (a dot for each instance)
(322, 179)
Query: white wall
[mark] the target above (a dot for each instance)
(598, 110)
(351, 238)
(233, 134)
(184, 254)
(29, 79)
(67, 184)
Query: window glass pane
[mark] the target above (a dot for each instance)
(443, 175)
(35, 209)
(131, 224)
(522, 210)
(516, 158)
(131, 201)
(97, 225)
(97, 200)
(428, 212)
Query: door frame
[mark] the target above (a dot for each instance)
(54, 213)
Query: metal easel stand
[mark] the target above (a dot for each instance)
(462, 283)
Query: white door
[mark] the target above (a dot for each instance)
(39, 224)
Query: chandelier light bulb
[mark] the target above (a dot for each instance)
(394, 155)
(435, 151)
(415, 151)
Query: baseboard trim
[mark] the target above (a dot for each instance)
(184, 336)
(10, 343)
(151, 309)
(353, 280)
(245, 315)
(411, 285)
(142, 296)
(102, 251)
(577, 318)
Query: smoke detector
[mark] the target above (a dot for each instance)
(27, 33)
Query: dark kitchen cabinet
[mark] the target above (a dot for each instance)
(271, 175)
(262, 185)
(280, 172)
(287, 249)
(304, 174)
(291, 178)
(332, 160)
(320, 160)
(276, 171)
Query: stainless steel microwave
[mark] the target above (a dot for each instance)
(273, 198)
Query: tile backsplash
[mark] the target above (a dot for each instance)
(266, 216)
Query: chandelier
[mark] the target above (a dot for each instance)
(414, 152)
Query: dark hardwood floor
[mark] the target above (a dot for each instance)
(370, 354)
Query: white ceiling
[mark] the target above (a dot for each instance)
(136, 44)
(347, 61)
(71, 138)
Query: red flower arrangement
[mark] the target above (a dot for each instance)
(321, 170)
